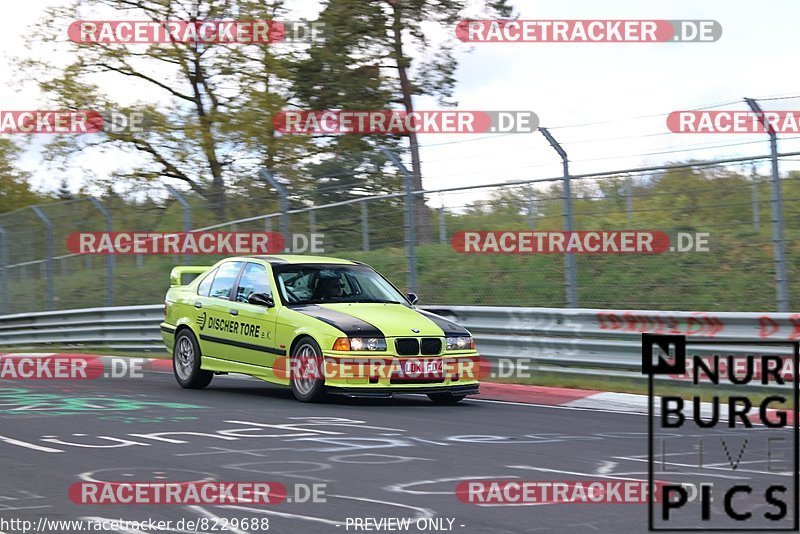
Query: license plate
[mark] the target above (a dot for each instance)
(422, 367)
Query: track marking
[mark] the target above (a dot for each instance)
(27, 445)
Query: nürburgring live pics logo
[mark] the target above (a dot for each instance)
(727, 465)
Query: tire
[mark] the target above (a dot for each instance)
(445, 398)
(308, 384)
(186, 362)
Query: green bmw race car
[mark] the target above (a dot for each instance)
(320, 325)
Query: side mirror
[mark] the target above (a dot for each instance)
(413, 298)
(261, 299)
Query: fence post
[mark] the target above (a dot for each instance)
(4, 275)
(755, 199)
(283, 197)
(629, 198)
(569, 259)
(442, 226)
(411, 252)
(781, 277)
(531, 208)
(187, 213)
(364, 226)
(48, 252)
(110, 260)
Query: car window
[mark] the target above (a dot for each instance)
(205, 285)
(223, 282)
(254, 280)
(319, 284)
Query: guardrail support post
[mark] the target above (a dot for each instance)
(781, 277)
(4, 275)
(569, 259)
(48, 252)
(411, 252)
(283, 198)
(110, 260)
(187, 212)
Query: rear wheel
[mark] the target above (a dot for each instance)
(186, 362)
(445, 398)
(308, 383)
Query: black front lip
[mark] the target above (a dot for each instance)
(385, 393)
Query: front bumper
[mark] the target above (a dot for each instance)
(385, 393)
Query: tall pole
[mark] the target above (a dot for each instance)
(781, 276)
(109, 257)
(756, 199)
(629, 198)
(187, 212)
(48, 252)
(283, 198)
(569, 258)
(411, 253)
(364, 226)
(4, 275)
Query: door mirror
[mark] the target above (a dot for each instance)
(261, 299)
(413, 298)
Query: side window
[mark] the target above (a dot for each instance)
(223, 282)
(254, 280)
(205, 285)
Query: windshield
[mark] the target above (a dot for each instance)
(326, 284)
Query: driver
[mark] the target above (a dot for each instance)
(328, 288)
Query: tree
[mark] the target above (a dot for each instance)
(367, 62)
(205, 104)
(15, 190)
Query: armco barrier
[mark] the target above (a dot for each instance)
(561, 340)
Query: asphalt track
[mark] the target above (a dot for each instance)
(377, 458)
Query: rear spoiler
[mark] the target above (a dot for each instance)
(176, 275)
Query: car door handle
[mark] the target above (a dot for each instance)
(198, 304)
(234, 312)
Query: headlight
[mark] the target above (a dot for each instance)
(460, 343)
(360, 343)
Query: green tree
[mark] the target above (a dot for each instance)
(15, 190)
(206, 105)
(367, 63)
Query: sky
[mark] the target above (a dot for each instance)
(606, 103)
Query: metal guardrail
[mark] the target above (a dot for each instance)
(599, 342)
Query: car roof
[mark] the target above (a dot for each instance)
(282, 259)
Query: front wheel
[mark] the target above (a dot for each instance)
(186, 362)
(445, 398)
(308, 382)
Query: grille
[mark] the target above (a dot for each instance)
(431, 346)
(407, 346)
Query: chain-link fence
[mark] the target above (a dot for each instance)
(750, 215)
